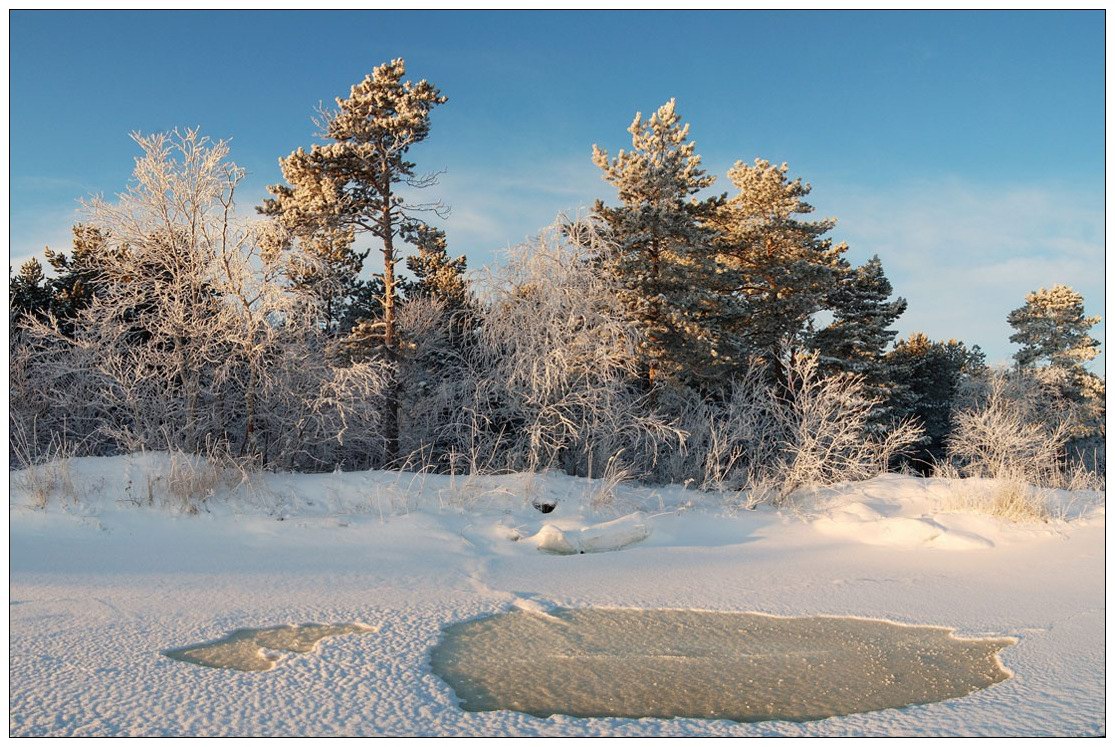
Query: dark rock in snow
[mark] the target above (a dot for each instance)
(545, 505)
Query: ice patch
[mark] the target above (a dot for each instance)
(720, 665)
(255, 649)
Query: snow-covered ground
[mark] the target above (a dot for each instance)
(101, 584)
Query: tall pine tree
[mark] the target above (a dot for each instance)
(1052, 327)
(662, 254)
(354, 185)
(781, 267)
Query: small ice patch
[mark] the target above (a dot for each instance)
(719, 665)
(254, 649)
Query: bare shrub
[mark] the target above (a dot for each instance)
(762, 441)
(1012, 429)
(544, 379)
(1015, 435)
(1003, 433)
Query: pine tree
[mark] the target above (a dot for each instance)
(30, 294)
(927, 376)
(79, 275)
(1052, 326)
(781, 267)
(437, 275)
(351, 186)
(662, 254)
(76, 278)
(857, 339)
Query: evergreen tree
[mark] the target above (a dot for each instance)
(1052, 326)
(76, 278)
(859, 335)
(662, 254)
(30, 294)
(325, 268)
(781, 267)
(351, 185)
(79, 275)
(437, 275)
(927, 376)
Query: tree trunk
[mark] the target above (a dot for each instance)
(390, 341)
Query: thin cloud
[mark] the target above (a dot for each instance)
(965, 254)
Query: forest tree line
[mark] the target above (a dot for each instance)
(670, 334)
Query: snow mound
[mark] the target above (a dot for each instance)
(604, 537)
(859, 522)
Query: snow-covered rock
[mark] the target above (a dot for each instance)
(604, 537)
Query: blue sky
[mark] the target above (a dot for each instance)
(966, 149)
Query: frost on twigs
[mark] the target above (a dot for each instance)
(1013, 436)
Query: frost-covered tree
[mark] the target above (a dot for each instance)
(356, 183)
(1052, 326)
(548, 374)
(662, 254)
(437, 275)
(193, 341)
(781, 267)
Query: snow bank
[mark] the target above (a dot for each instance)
(862, 523)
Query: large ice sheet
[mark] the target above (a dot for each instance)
(736, 666)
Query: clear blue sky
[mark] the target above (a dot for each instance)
(966, 149)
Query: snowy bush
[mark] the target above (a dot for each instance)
(760, 440)
(544, 378)
(1011, 427)
(193, 343)
(1015, 431)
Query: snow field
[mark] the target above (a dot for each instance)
(100, 586)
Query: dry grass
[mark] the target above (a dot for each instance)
(1012, 500)
(603, 492)
(1012, 497)
(191, 480)
(46, 471)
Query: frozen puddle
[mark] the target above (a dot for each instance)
(257, 649)
(727, 665)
